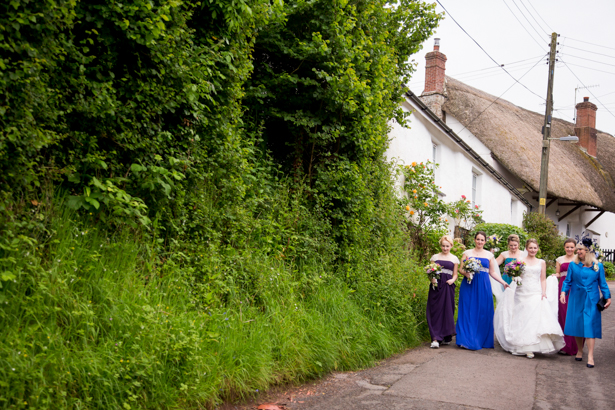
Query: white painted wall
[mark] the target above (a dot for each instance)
(454, 174)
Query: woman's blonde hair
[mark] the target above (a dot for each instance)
(513, 237)
(590, 257)
(448, 239)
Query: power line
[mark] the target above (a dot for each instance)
(538, 14)
(485, 69)
(492, 59)
(500, 96)
(532, 16)
(588, 90)
(587, 42)
(587, 59)
(591, 52)
(521, 24)
(593, 69)
(526, 19)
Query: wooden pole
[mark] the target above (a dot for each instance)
(546, 131)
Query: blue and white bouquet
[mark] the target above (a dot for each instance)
(471, 266)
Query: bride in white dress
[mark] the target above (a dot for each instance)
(525, 319)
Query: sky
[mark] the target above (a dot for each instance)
(516, 33)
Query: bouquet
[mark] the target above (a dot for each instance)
(492, 243)
(433, 272)
(515, 269)
(471, 266)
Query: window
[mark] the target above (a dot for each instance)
(434, 151)
(512, 212)
(474, 188)
(568, 230)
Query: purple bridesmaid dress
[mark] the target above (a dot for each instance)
(571, 344)
(441, 305)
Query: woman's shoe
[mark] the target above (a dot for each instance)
(530, 355)
(578, 359)
(591, 366)
(445, 343)
(435, 344)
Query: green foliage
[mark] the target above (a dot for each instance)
(465, 215)
(502, 231)
(609, 270)
(233, 222)
(458, 248)
(425, 211)
(544, 230)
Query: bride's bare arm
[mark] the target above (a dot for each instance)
(543, 278)
(492, 268)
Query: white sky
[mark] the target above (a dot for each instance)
(523, 42)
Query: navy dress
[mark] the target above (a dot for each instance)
(441, 305)
(475, 317)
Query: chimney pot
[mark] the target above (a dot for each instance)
(585, 99)
(436, 44)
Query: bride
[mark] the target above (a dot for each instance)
(526, 316)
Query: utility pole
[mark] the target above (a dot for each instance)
(546, 131)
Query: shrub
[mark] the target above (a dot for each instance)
(502, 231)
(609, 270)
(544, 230)
(426, 212)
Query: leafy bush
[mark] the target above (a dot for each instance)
(609, 270)
(545, 232)
(426, 218)
(502, 231)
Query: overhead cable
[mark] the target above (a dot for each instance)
(501, 95)
(484, 51)
(588, 90)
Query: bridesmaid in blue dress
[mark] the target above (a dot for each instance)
(475, 318)
(585, 280)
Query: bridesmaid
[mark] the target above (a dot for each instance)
(512, 254)
(561, 267)
(441, 300)
(475, 318)
(585, 280)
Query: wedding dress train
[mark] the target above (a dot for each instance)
(526, 323)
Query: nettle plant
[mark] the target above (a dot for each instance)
(465, 214)
(426, 212)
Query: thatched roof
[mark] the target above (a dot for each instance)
(513, 134)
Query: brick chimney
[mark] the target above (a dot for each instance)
(434, 94)
(585, 127)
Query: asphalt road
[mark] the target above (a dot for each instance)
(454, 378)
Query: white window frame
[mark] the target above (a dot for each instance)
(568, 230)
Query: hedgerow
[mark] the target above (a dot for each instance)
(195, 198)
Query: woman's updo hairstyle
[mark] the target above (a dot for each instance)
(513, 237)
(480, 233)
(446, 238)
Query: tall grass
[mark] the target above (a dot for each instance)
(100, 320)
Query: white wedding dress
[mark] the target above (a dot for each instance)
(526, 323)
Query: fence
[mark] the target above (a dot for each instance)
(609, 255)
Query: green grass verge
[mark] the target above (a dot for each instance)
(97, 321)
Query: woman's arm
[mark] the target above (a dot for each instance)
(557, 266)
(500, 259)
(604, 287)
(567, 283)
(497, 278)
(455, 275)
(543, 278)
(464, 257)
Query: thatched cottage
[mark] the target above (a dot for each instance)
(490, 150)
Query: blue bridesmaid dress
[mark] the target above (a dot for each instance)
(475, 318)
(583, 317)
